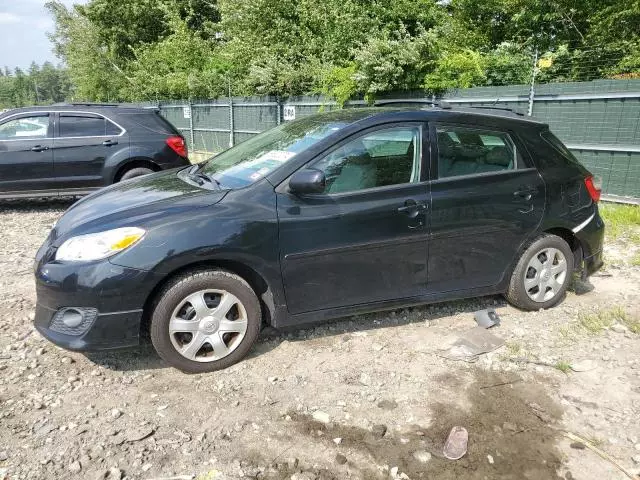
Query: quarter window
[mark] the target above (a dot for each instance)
(466, 151)
(25, 128)
(378, 159)
(86, 126)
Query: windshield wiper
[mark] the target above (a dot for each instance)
(201, 178)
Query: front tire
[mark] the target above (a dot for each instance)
(205, 320)
(542, 275)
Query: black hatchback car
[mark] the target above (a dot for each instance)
(75, 149)
(331, 215)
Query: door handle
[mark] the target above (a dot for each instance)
(412, 208)
(526, 193)
(108, 143)
(39, 148)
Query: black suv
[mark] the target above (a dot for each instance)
(331, 215)
(74, 149)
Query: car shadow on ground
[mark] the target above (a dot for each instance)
(48, 204)
(145, 357)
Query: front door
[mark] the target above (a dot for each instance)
(364, 239)
(487, 199)
(26, 160)
(82, 144)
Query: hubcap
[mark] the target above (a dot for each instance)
(208, 325)
(546, 274)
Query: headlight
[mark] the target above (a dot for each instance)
(96, 246)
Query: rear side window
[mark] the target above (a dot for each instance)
(559, 147)
(470, 151)
(86, 126)
(154, 122)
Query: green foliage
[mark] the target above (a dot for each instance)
(181, 65)
(340, 83)
(92, 67)
(457, 70)
(40, 85)
(158, 49)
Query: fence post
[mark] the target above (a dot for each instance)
(278, 111)
(231, 127)
(191, 135)
(532, 89)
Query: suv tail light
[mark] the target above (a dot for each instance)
(176, 143)
(594, 187)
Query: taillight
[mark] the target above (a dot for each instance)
(594, 187)
(177, 144)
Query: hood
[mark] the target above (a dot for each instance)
(134, 202)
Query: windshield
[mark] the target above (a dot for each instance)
(252, 159)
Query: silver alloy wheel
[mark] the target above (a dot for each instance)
(208, 325)
(545, 274)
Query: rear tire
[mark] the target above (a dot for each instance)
(135, 172)
(542, 275)
(205, 320)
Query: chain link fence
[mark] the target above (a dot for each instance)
(599, 121)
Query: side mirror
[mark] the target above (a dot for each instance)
(308, 180)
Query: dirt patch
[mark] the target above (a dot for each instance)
(512, 423)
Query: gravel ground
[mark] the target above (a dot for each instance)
(364, 398)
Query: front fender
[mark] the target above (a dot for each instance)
(242, 229)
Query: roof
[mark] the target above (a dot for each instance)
(486, 115)
(79, 107)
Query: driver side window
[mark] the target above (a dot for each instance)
(381, 158)
(25, 128)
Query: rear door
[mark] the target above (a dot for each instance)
(487, 199)
(26, 158)
(82, 143)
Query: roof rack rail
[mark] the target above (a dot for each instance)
(443, 104)
(94, 104)
(420, 101)
(491, 107)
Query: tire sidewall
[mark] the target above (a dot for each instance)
(190, 283)
(134, 173)
(517, 294)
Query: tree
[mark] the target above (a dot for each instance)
(154, 49)
(92, 68)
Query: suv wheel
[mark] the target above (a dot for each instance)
(135, 172)
(205, 320)
(542, 275)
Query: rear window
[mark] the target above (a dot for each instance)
(153, 122)
(559, 147)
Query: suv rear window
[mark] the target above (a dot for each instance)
(153, 121)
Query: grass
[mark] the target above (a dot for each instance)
(563, 366)
(621, 221)
(596, 322)
(635, 260)
(513, 348)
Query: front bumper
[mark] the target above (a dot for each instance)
(118, 293)
(108, 331)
